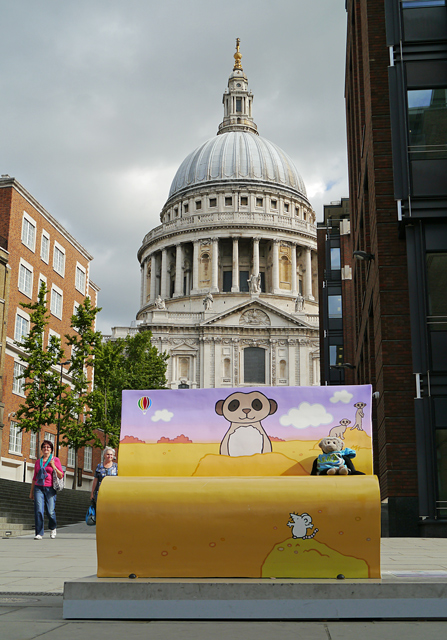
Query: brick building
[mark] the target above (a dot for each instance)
(35, 248)
(396, 108)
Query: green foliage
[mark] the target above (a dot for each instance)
(130, 363)
(77, 427)
(42, 384)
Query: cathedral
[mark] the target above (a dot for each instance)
(229, 278)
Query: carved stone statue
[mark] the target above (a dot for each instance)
(254, 283)
(208, 301)
(299, 303)
(160, 303)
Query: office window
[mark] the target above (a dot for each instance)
(335, 258)
(45, 247)
(80, 279)
(334, 306)
(415, 4)
(22, 327)
(33, 445)
(29, 232)
(56, 303)
(71, 457)
(15, 439)
(25, 280)
(335, 355)
(437, 284)
(59, 260)
(427, 121)
(254, 365)
(87, 458)
(18, 383)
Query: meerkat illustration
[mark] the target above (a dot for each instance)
(244, 412)
(359, 415)
(299, 525)
(338, 431)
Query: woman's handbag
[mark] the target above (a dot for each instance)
(58, 483)
(90, 516)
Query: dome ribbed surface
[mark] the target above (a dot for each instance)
(237, 155)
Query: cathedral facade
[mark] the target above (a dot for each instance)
(229, 279)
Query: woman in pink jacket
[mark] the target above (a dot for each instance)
(42, 489)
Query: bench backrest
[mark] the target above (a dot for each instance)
(256, 431)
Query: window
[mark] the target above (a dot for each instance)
(243, 281)
(286, 207)
(335, 355)
(21, 328)
(42, 279)
(254, 365)
(198, 204)
(88, 458)
(51, 437)
(33, 445)
(228, 201)
(59, 260)
(259, 202)
(244, 201)
(227, 281)
(18, 383)
(15, 439)
(56, 303)
(334, 306)
(274, 204)
(71, 457)
(28, 232)
(26, 279)
(335, 258)
(186, 207)
(414, 4)
(427, 121)
(213, 202)
(45, 247)
(80, 279)
(238, 105)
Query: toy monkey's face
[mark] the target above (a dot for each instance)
(345, 422)
(246, 407)
(360, 405)
(331, 444)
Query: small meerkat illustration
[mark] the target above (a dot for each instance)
(244, 411)
(300, 524)
(338, 431)
(359, 415)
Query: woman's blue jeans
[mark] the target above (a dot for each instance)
(44, 500)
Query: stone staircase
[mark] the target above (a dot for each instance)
(17, 510)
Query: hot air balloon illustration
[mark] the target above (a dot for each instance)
(144, 403)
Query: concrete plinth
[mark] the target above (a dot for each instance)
(248, 599)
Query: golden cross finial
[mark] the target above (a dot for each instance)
(237, 56)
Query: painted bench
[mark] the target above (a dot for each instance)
(216, 483)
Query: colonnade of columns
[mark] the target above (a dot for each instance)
(157, 265)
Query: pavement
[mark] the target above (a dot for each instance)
(32, 576)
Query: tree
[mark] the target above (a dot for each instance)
(130, 363)
(42, 384)
(77, 427)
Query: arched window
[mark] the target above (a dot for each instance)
(184, 368)
(226, 367)
(282, 369)
(254, 365)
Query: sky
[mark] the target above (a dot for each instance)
(101, 101)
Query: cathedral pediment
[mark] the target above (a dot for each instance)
(256, 313)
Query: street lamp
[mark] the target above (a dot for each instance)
(59, 410)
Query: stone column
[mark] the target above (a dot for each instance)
(178, 290)
(215, 266)
(275, 266)
(308, 276)
(294, 278)
(255, 256)
(153, 277)
(235, 280)
(195, 268)
(143, 285)
(164, 274)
